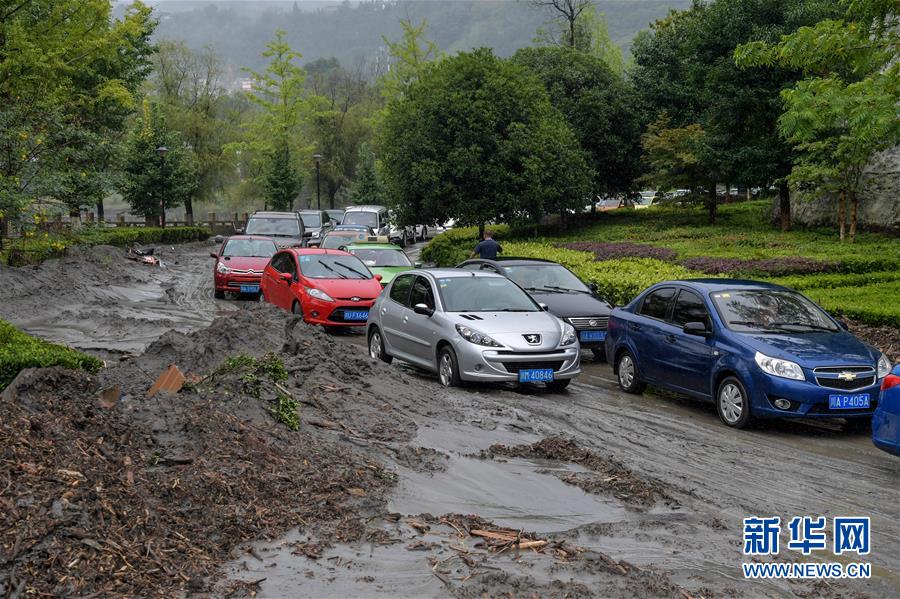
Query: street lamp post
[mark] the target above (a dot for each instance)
(161, 150)
(318, 158)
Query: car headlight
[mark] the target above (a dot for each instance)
(315, 233)
(319, 294)
(780, 368)
(222, 269)
(884, 366)
(568, 336)
(473, 336)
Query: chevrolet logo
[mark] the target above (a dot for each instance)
(847, 376)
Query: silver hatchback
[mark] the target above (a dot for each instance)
(471, 326)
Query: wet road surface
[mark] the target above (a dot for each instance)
(103, 303)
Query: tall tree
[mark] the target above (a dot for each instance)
(368, 187)
(276, 131)
(846, 108)
(69, 73)
(475, 138)
(153, 182)
(188, 85)
(408, 58)
(568, 13)
(602, 109)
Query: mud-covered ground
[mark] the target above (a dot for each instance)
(606, 494)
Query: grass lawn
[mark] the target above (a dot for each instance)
(624, 251)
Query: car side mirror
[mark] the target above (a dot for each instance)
(378, 278)
(423, 310)
(696, 328)
(843, 324)
(218, 239)
(417, 265)
(544, 306)
(593, 287)
(286, 277)
(213, 255)
(239, 230)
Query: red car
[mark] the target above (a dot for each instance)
(327, 287)
(240, 263)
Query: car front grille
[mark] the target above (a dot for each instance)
(837, 377)
(589, 322)
(515, 367)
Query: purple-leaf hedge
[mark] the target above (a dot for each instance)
(622, 249)
(793, 265)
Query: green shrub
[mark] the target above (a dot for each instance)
(453, 246)
(37, 248)
(618, 281)
(875, 304)
(19, 351)
(832, 280)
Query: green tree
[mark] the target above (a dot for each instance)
(152, 183)
(188, 85)
(68, 79)
(846, 108)
(684, 67)
(475, 138)
(409, 56)
(368, 187)
(601, 108)
(566, 15)
(282, 181)
(275, 133)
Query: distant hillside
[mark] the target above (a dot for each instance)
(238, 30)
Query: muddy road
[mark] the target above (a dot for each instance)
(637, 495)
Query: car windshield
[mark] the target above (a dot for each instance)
(333, 241)
(311, 219)
(326, 266)
(550, 277)
(361, 217)
(249, 248)
(276, 227)
(336, 215)
(484, 294)
(381, 257)
(770, 310)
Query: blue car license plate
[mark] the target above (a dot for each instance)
(249, 288)
(592, 335)
(536, 375)
(859, 401)
(356, 315)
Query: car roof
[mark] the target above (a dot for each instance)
(457, 272)
(252, 237)
(722, 284)
(365, 208)
(514, 261)
(269, 214)
(316, 252)
(311, 211)
(374, 246)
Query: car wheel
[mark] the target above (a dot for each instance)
(557, 386)
(376, 346)
(219, 294)
(599, 355)
(448, 368)
(628, 377)
(733, 403)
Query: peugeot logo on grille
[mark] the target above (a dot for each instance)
(354, 299)
(532, 338)
(847, 376)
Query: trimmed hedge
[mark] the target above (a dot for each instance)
(453, 246)
(618, 281)
(36, 249)
(876, 304)
(19, 350)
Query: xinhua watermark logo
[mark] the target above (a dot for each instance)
(806, 535)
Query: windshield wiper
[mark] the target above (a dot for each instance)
(362, 275)
(749, 323)
(808, 325)
(341, 275)
(566, 289)
(544, 289)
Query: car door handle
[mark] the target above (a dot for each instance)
(634, 326)
(405, 319)
(671, 338)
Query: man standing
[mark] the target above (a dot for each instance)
(488, 248)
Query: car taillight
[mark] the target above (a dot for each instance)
(891, 380)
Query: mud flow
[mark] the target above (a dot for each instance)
(291, 464)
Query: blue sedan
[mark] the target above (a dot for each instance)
(886, 420)
(755, 349)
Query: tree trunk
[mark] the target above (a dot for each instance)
(101, 214)
(74, 219)
(572, 33)
(854, 208)
(189, 212)
(784, 205)
(711, 201)
(841, 213)
(150, 220)
(727, 191)
(480, 231)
